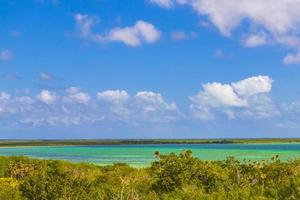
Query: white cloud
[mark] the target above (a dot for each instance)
(261, 106)
(248, 97)
(245, 99)
(140, 32)
(47, 97)
(84, 24)
(74, 108)
(6, 55)
(151, 102)
(4, 96)
(133, 36)
(274, 22)
(115, 96)
(76, 95)
(292, 58)
(151, 107)
(219, 95)
(255, 40)
(253, 85)
(276, 16)
(163, 3)
(116, 101)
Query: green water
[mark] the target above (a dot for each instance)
(143, 155)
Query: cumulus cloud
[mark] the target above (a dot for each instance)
(116, 96)
(6, 55)
(77, 96)
(276, 16)
(47, 97)
(4, 100)
(253, 85)
(263, 21)
(141, 32)
(248, 97)
(151, 102)
(219, 95)
(75, 107)
(116, 101)
(152, 107)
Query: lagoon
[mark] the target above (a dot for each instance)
(141, 155)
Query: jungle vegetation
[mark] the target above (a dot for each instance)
(173, 176)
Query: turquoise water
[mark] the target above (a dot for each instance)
(143, 155)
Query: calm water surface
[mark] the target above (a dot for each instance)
(143, 155)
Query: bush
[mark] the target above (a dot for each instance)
(169, 177)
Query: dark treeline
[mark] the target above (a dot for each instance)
(169, 177)
(143, 141)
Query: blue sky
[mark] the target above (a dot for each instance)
(149, 68)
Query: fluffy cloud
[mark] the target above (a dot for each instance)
(263, 21)
(73, 107)
(76, 95)
(144, 106)
(140, 32)
(151, 107)
(116, 101)
(276, 16)
(47, 97)
(116, 96)
(248, 97)
(4, 100)
(6, 55)
(4, 96)
(151, 102)
(253, 85)
(219, 95)
(133, 36)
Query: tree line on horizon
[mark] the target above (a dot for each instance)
(170, 177)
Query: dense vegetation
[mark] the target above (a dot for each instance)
(144, 141)
(169, 177)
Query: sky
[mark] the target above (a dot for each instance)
(149, 69)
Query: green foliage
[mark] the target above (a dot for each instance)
(170, 177)
(6, 143)
(9, 189)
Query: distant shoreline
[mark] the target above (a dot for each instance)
(79, 142)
